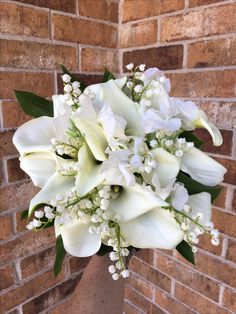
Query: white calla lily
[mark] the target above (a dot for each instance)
(134, 201)
(85, 119)
(201, 202)
(154, 229)
(121, 104)
(179, 197)
(167, 169)
(76, 238)
(89, 175)
(203, 122)
(202, 168)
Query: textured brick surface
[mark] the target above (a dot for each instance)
(84, 32)
(7, 276)
(229, 300)
(20, 20)
(102, 9)
(14, 171)
(231, 253)
(60, 5)
(196, 3)
(205, 22)
(13, 116)
(138, 34)
(166, 58)
(5, 227)
(137, 9)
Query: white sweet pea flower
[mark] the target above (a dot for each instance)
(202, 168)
(203, 122)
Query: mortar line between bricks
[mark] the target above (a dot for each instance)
(25, 5)
(179, 42)
(217, 281)
(234, 145)
(221, 295)
(134, 306)
(186, 4)
(95, 47)
(183, 11)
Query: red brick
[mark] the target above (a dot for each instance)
(95, 60)
(135, 298)
(225, 222)
(231, 252)
(199, 303)
(29, 289)
(195, 3)
(230, 165)
(25, 245)
(6, 145)
(203, 84)
(216, 268)
(103, 10)
(147, 255)
(84, 31)
(44, 301)
(200, 23)
(221, 199)
(60, 5)
(224, 149)
(5, 227)
(227, 115)
(7, 276)
(39, 83)
(150, 274)
(234, 202)
(205, 243)
(188, 276)
(35, 263)
(138, 34)
(140, 285)
(25, 54)
(130, 309)
(138, 9)
(77, 264)
(16, 196)
(19, 20)
(229, 299)
(166, 58)
(169, 304)
(13, 115)
(220, 52)
(14, 171)
(155, 309)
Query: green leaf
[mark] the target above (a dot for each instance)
(73, 78)
(195, 187)
(107, 76)
(190, 137)
(34, 105)
(60, 254)
(185, 250)
(104, 249)
(24, 215)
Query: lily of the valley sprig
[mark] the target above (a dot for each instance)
(119, 168)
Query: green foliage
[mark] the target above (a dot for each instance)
(107, 76)
(34, 105)
(104, 249)
(73, 78)
(24, 215)
(185, 250)
(60, 254)
(190, 137)
(195, 187)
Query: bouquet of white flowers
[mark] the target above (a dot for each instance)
(119, 167)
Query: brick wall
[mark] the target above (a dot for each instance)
(36, 36)
(194, 42)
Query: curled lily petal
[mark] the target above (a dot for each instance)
(57, 184)
(167, 168)
(134, 201)
(86, 121)
(89, 173)
(201, 202)
(203, 122)
(154, 229)
(77, 240)
(202, 168)
(39, 166)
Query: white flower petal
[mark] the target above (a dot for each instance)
(203, 122)
(134, 201)
(154, 229)
(167, 169)
(89, 173)
(179, 197)
(121, 105)
(86, 121)
(60, 107)
(78, 241)
(39, 166)
(57, 184)
(201, 202)
(202, 168)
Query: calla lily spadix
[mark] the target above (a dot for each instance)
(108, 165)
